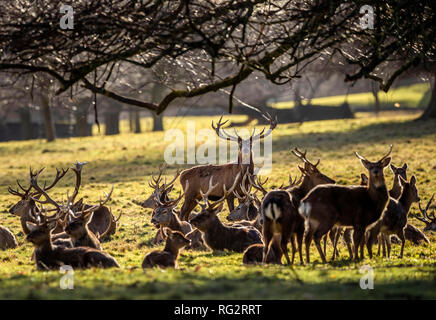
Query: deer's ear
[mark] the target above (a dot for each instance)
(405, 166)
(413, 180)
(386, 162)
(393, 168)
(366, 164)
(364, 178)
(402, 181)
(31, 226)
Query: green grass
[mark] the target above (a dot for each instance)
(406, 96)
(128, 160)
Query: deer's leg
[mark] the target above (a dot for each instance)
(325, 244)
(284, 246)
(335, 243)
(308, 235)
(267, 237)
(294, 247)
(349, 241)
(403, 240)
(388, 244)
(317, 238)
(300, 246)
(187, 207)
(358, 237)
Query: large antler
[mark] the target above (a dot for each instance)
(42, 191)
(302, 156)
(208, 192)
(78, 171)
(272, 126)
(226, 193)
(384, 157)
(222, 133)
(101, 204)
(258, 184)
(426, 216)
(156, 181)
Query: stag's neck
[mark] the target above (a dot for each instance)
(379, 195)
(45, 247)
(405, 200)
(396, 187)
(175, 223)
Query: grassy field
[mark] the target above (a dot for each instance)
(405, 96)
(128, 160)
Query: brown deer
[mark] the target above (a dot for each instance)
(254, 253)
(223, 175)
(49, 256)
(175, 240)
(162, 190)
(354, 206)
(216, 235)
(24, 208)
(283, 217)
(394, 218)
(427, 218)
(414, 235)
(398, 172)
(7, 239)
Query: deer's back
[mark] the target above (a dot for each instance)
(159, 258)
(7, 239)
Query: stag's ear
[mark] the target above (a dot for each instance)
(413, 180)
(31, 226)
(393, 168)
(386, 162)
(364, 179)
(405, 166)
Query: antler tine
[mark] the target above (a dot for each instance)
(34, 183)
(225, 192)
(59, 175)
(170, 184)
(238, 195)
(258, 184)
(78, 171)
(101, 204)
(26, 191)
(221, 132)
(419, 218)
(387, 155)
(300, 155)
(272, 126)
(174, 202)
(15, 192)
(429, 203)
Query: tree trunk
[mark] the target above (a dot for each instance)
(137, 121)
(25, 124)
(375, 89)
(50, 133)
(430, 111)
(82, 127)
(156, 94)
(112, 121)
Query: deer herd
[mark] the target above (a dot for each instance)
(310, 208)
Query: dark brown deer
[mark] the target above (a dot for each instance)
(394, 218)
(49, 256)
(355, 206)
(254, 253)
(168, 257)
(7, 239)
(398, 172)
(24, 208)
(414, 235)
(223, 175)
(282, 207)
(216, 235)
(428, 218)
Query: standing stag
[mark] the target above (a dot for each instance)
(327, 206)
(224, 175)
(398, 172)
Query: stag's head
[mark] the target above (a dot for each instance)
(375, 169)
(161, 191)
(27, 202)
(428, 218)
(410, 189)
(76, 222)
(40, 232)
(176, 238)
(399, 171)
(312, 176)
(209, 210)
(249, 203)
(245, 146)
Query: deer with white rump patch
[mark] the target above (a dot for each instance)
(327, 206)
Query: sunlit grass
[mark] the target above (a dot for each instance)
(128, 160)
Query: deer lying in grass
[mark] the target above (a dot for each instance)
(223, 175)
(254, 253)
(279, 207)
(175, 240)
(427, 218)
(398, 172)
(160, 192)
(216, 235)
(49, 256)
(355, 206)
(7, 239)
(394, 218)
